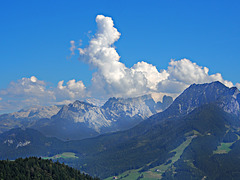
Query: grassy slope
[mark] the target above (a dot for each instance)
(64, 155)
(156, 172)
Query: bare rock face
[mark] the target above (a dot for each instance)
(116, 114)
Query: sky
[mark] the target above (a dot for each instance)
(54, 52)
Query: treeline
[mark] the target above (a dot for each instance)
(37, 168)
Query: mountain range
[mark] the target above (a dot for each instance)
(196, 137)
(26, 117)
(80, 119)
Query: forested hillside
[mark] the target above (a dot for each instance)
(37, 168)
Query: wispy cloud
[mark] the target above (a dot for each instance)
(73, 47)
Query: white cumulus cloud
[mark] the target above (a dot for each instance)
(72, 90)
(184, 72)
(25, 92)
(113, 78)
(31, 91)
(32, 87)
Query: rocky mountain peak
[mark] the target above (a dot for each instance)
(199, 94)
(71, 110)
(113, 101)
(80, 105)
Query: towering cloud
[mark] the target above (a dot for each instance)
(113, 78)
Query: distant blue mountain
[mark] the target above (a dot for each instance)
(80, 120)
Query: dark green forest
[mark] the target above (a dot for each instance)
(37, 168)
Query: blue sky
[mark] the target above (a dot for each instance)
(36, 35)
